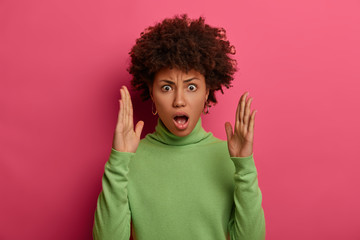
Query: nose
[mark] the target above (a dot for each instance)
(179, 98)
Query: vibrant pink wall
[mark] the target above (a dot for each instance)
(62, 64)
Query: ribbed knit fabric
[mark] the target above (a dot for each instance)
(179, 188)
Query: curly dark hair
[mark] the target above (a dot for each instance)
(184, 44)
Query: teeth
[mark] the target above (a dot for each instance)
(181, 119)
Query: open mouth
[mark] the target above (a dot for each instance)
(181, 121)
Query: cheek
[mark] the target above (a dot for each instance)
(162, 101)
(198, 102)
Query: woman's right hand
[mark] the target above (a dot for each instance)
(125, 138)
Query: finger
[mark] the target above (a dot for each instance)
(122, 110)
(252, 121)
(120, 113)
(228, 130)
(126, 107)
(237, 120)
(128, 119)
(242, 108)
(247, 112)
(131, 119)
(138, 128)
(120, 123)
(123, 100)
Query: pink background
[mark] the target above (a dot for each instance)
(62, 64)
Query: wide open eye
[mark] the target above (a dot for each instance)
(166, 88)
(192, 87)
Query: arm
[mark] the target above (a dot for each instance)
(247, 220)
(112, 215)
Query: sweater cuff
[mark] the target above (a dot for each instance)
(120, 158)
(244, 165)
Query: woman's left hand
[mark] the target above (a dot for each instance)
(240, 142)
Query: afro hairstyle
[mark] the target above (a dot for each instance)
(185, 44)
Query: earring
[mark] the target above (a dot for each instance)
(207, 108)
(152, 109)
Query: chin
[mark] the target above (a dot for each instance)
(185, 132)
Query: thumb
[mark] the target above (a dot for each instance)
(228, 130)
(138, 128)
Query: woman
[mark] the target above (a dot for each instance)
(181, 182)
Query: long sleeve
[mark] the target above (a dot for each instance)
(112, 215)
(247, 221)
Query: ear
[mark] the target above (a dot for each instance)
(150, 92)
(207, 94)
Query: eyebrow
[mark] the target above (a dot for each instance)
(185, 81)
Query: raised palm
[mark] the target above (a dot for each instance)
(126, 139)
(240, 142)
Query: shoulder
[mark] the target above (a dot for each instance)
(214, 140)
(214, 146)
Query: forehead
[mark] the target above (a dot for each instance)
(176, 74)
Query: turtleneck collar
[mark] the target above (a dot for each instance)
(163, 135)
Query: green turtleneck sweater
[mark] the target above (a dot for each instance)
(179, 188)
